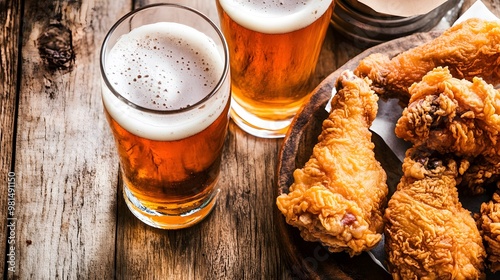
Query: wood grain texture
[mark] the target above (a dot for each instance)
(10, 20)
(65, 165)
(72, 220)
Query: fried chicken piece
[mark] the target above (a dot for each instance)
(428, 234)
(452, 115)
(469, 49)
(338, 196)
(481, 172)
(457, 116)
(489, 224)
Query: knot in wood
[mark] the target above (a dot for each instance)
(55, 47)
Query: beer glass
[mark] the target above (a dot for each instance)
(274, 47)
(166, 96)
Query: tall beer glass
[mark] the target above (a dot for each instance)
(274, 46)
(166, 95)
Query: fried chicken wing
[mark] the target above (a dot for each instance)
(337, 197)
(489, 224)
(428, 234)
(469, 49)
(452, 115)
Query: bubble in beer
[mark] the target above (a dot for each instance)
(156, 67)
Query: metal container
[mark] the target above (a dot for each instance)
(366, 27)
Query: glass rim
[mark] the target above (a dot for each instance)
(189, 107)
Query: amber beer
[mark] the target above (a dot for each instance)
(274, 47)
(166, 97)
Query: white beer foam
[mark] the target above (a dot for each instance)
(276, 16)
(164, 66)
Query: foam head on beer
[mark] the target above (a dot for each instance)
(277, 16)
(166, 67)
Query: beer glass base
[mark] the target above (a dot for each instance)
(257, 126)
(167, 221)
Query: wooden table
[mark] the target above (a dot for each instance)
(59, 170)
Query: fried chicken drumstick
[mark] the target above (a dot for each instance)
(337, 197)
(469, 49)
(428, 234)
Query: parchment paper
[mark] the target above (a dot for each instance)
(403, 8)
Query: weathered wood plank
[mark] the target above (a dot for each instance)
(10, 19)
(65, 166)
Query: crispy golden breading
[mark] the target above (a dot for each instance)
(337, 197)
(457, 116)
(469, 49)
(480, 173)
(428, 234)
(452, 115)
(489, 224)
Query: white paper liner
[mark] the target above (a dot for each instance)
(402, 8)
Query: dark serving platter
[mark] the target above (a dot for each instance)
(309, 260)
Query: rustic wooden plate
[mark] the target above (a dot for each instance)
(311, 260)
